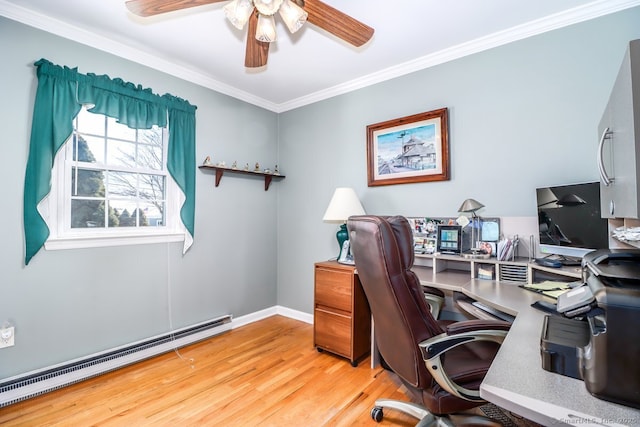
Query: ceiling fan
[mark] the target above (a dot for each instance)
(259, 14)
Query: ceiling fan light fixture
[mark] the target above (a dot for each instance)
(293, 15)
(238, 12)
(266, 29)
(267, 7)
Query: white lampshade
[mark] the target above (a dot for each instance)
(293, 15)
(266, 30)
(343, 204)
(238, 12)
(267, 7)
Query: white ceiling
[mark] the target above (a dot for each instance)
(199, 45)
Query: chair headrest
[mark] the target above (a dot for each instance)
(404, 237)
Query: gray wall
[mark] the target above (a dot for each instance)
(71, 303)
(521, 115)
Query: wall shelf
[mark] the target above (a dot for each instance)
(220, 170)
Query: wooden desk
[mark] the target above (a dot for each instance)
(516, 380)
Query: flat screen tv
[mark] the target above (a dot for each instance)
(569, 220)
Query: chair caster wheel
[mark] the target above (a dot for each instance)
(376, 414)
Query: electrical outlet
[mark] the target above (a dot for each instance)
(7, 337)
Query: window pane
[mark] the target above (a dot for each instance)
(151, 187)
(120, 153)
(122, 184)
(90, 183)
(150, 157)
(117, 130)
(152, 214)
(90, 123)
(87, 213)
(151, 136)
(125, 212)
(90, 149)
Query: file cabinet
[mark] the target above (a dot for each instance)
(341, 316)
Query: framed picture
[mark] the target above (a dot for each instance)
(410, 149)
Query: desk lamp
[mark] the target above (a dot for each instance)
(343, 204)
(472, 205)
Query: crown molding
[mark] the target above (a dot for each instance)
(88, 38)
(573, 16)
(552, 22)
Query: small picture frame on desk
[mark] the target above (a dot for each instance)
(488, 248)
(449, 239)
(489, 235)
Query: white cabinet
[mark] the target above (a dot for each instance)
(619, 149)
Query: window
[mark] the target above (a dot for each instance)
(72, 199)
(110, 186)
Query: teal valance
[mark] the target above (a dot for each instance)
(60, 95)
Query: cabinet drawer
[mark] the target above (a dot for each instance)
(333, 289)
(333, 332)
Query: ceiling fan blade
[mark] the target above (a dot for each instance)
(156, 7)
(257, 52)
(337, 23)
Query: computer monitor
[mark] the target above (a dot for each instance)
(569, 220)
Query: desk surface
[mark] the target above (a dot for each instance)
(516, 380)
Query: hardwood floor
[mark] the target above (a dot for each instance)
(266, 373)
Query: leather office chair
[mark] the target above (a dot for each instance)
(440, 363)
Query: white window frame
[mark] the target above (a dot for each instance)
(56, 211)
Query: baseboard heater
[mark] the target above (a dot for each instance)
(43, 381)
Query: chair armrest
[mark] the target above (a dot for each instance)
(434, 348)
(433, 291)
(435, 303)
(477, 325)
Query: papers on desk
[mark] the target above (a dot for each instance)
(549, 288)
(554, 293)
(627, 234)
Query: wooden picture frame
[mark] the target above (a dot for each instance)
(409, 149)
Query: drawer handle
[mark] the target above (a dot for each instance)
(606, 180)
(333, 312)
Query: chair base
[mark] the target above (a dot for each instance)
(426, 418)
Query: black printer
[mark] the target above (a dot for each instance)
(606, 334)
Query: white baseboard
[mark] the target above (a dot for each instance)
(295, 314)
(271, 311)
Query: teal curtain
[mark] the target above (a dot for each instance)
(182, 154)
(61, 93)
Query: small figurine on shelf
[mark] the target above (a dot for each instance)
(222, 164)
(207, 161)
(257, 168)
(234, 165)
(246, 167)
(276, 171)
(267, 170)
